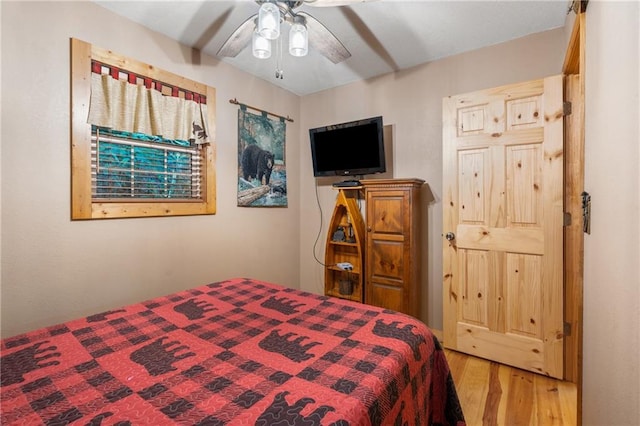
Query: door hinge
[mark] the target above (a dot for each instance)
(586, 212)
(567, 329)
(566, 220)
(566, 108)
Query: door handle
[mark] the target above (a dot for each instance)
(450, 236)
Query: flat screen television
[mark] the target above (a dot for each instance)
(348, 149)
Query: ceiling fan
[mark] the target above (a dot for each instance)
(318, 36)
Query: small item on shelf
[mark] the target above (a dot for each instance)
(345, 266)
(339, 235)
(351, 238)
(345, 287)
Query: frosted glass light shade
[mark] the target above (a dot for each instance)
(260, 46)
(298, 40)
(269, 21)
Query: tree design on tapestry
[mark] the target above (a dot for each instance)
(262, 176)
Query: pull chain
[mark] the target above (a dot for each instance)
(279, 71)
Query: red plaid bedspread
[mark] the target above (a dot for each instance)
(230, 353)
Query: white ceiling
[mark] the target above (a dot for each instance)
(382, 35)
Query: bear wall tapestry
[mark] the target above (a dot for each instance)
(262, 176)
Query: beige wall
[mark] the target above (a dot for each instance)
(54, 269)
(411, 102)
(611, 389)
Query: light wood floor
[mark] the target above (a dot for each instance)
(496, 394)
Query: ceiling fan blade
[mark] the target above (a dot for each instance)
(369, 37)
(239, 39)
(329, 3)
(210, 32)
(323, 40)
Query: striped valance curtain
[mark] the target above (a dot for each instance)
(126, 102)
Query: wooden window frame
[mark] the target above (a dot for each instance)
(82, 204)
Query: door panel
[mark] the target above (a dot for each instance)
(388, 256)
(475, 285)
(472, 184)
(523, 179)
(503, 190)
(387, 213)
(389, 297)
(523, 285)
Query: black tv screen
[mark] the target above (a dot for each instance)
(348, 149)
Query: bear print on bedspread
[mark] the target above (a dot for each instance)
(257, 163)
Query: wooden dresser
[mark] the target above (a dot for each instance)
(392, 252)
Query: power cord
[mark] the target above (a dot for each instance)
(345, 266)
(319, 229)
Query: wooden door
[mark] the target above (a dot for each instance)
(503, 224)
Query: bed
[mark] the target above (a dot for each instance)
(234, 352)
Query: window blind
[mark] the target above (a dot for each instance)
(136, 166)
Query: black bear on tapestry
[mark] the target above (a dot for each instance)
(257, 162)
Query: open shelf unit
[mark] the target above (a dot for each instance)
(345, 243)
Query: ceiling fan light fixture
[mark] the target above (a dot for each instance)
(260, 46)
(269, 21)
(298, 38)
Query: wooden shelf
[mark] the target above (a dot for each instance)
(343, 243)
(346, 215)
(335, 268)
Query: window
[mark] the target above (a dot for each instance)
(118, 173)
(139, 166)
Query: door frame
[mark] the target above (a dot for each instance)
(573, 69)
